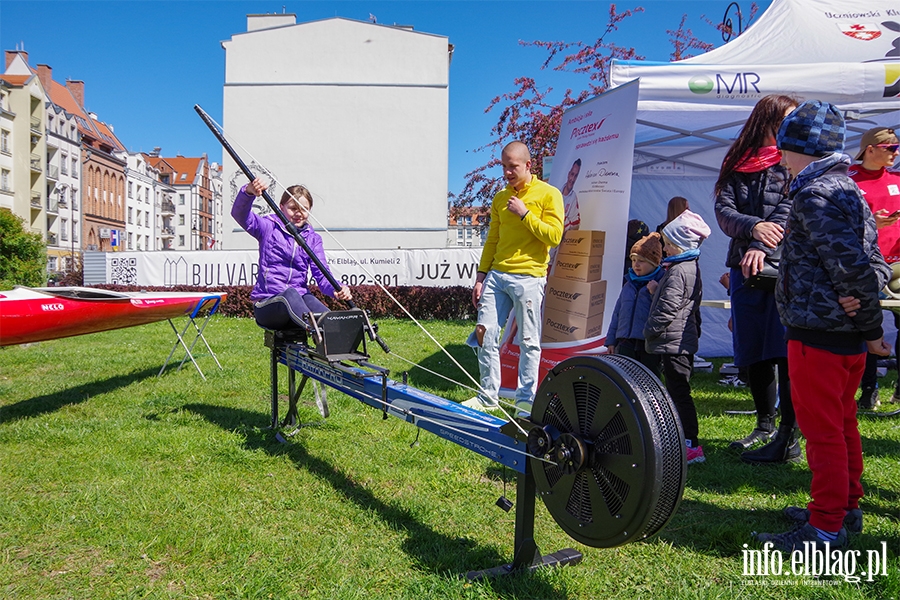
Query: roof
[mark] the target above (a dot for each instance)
(16, 79)
(107, 135)
(185, 169)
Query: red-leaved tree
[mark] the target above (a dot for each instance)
(527, 114)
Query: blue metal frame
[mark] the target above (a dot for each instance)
(469, 428)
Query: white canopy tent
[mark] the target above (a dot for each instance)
(690, 111)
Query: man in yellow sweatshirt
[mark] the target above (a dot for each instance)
(526, 222)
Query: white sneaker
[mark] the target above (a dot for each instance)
(477, 403)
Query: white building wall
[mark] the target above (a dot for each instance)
(6, 150)
(64, 186)
(140, 217)
(358, 113)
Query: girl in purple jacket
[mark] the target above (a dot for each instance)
(281, 295)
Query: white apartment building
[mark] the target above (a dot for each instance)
(141, 180)
(6, 148)
(63, 189)
(217, 187)
(357, 112)
(25, 182)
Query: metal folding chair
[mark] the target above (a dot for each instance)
(209, 305)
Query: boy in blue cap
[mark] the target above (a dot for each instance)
(830, 255)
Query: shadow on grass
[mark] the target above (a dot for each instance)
(432, 551)
(48, 403)
(440, 363)
(722, 532)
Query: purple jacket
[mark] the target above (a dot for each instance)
(282, 261)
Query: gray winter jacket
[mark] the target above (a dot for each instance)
(674, 323)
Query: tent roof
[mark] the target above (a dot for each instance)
(690, 111)
(812, 31)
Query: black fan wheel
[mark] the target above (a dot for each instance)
(613, 421)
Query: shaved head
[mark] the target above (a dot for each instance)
(518, 150)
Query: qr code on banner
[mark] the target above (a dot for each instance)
(123, 271)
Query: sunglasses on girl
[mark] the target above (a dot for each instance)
(888, 147)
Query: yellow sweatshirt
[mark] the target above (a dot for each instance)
(522, 245)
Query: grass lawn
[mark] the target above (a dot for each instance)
(116, 483)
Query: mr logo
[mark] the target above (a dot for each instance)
(741, 83)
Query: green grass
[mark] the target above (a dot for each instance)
(116, 483)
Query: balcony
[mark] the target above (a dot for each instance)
(53, 172)
(52, 205)
(167, 232)
(36, 200)
(36, 163)
(36, 125)
(52, 239)
(167, 208)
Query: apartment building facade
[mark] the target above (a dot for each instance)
(23, 164)
(194, 221)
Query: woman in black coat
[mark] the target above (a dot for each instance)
(752, 206)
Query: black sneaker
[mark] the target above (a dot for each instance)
(800, 535)
(868, 399)
(853, 520)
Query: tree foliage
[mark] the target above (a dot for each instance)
(23, 254)
(528, 114)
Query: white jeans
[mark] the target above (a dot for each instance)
(501, 293)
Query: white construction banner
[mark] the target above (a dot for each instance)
(592, 168)
(438, 267)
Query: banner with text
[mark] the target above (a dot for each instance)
(437, 267)
(595, 148)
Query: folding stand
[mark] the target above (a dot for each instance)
(214, 300)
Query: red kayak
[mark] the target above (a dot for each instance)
(37, 314)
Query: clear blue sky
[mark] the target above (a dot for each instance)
(146, 63)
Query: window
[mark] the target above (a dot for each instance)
(181, 240)
(75, 231)
(51, 263)
(181, 219)
(4, 141)
(4, 180)
(64, 164)
(129, 241)
(147, 219)
(129, 215)
(75, 168)
(181, 201)
(130, 194)
(64, 229)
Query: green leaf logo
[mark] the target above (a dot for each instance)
(700, 84)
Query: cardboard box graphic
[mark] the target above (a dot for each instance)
(578, 268)
(565, 327)
(581, 299)
(583, 242)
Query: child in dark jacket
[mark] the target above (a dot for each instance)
(830, 256)
(626, 329)
(673, 327)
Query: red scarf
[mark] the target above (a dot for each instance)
(765, 157)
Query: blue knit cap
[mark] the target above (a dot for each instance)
(814, 128)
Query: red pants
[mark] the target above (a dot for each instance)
(823, 388)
